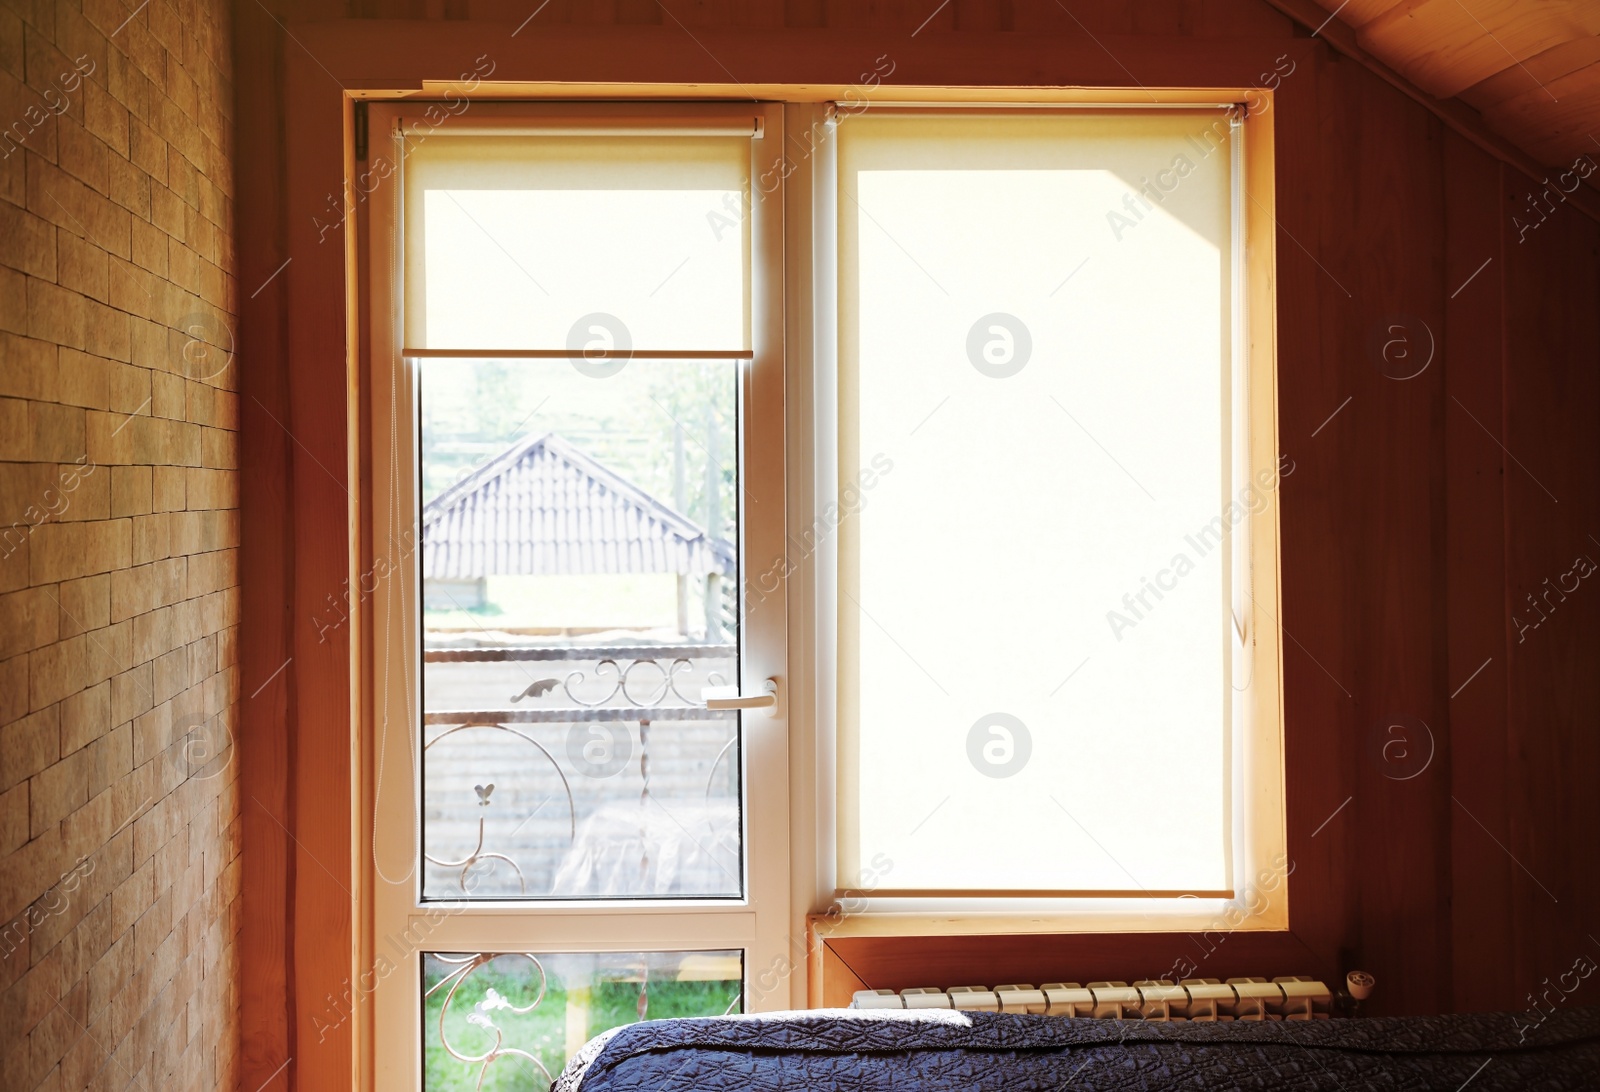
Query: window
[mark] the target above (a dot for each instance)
(943, 437)
(578, 438)
(1063, 524)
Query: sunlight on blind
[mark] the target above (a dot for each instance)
(557, 242)
(1034, 631)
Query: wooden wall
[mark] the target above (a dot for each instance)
(295, 740)
(269, 727)
(1455, 865)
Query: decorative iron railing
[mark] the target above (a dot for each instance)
(482, 1012)
(609, 660)
(636, 683)
(549, 1004)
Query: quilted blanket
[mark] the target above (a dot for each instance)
(935, 1050)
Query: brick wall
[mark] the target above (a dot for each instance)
(119, 807)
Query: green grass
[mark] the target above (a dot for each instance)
(542, 1032)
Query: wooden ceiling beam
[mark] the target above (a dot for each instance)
(1538, 71)
(1446, 47)
(1358, 13)
(1453, 112)
(1559, 124)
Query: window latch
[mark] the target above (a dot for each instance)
(728, 697)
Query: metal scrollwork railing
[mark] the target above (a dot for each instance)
(481, 1012)
(485, 793)
(668, 684)
(711, 774)
(630, 698)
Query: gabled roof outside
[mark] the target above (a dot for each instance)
(544, 507)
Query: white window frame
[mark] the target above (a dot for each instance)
(1259, 858)
(790, 430)
(758, 923)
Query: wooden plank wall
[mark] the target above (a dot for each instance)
(1475, 564)
(1441, 760)
(300, 904)
(1380, 308)
(1550, 421)
(268, 728)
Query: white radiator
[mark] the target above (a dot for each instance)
(1209, 999)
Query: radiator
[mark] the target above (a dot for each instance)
(1208, 999)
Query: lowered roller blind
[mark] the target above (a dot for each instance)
(529, 237)
(1035, 346)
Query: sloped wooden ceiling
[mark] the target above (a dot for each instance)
(1530, 67)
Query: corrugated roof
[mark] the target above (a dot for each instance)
(544, 507)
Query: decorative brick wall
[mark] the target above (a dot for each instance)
(119, 806)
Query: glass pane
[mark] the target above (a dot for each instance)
(512, 1020)
(580, 588)
(562, 243)
(1037, 404)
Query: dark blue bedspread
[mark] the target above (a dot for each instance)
(868, 1051)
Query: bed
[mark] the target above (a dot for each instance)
(864, 1051)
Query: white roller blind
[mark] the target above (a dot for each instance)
(1035, 372)
(541, 240)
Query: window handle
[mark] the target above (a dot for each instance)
(728, 697)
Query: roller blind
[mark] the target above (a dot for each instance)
(534, 238)
(1035, 346)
